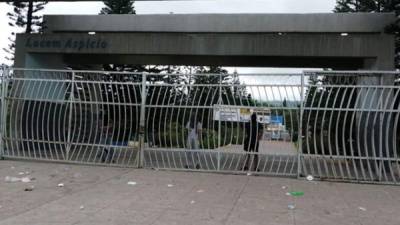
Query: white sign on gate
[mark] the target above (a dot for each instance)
(239, 114)
(224, 113)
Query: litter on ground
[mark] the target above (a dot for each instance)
(362, 209)
(25, 180)
(291, 206)
(296, 193)
(29, 188)
(60, 185)
(9, 179)
(170, 185)
(132, 183)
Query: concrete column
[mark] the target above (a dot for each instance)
(376, 131)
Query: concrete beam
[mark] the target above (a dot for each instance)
(315, 45)
(223, 23)
(292, 49)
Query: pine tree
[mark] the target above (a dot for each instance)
(347, 6)
(365, 5)
(118, 7)
(25, 16)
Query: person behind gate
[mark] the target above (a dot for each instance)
(253, 135)
(194, 128)
(107, 154)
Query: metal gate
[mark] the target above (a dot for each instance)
(332, 125)
(350, 123)
(71, 116)
(198, 122)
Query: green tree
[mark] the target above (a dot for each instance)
(24, 16)
(118, 7)
(209, 93)
(347, 6)
(366, 5)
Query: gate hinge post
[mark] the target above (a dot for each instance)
(142, 122)
(3, 111)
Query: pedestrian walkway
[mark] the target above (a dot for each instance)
(74, 194)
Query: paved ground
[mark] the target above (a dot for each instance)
(101, 195)
(267, 147)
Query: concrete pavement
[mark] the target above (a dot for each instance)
(101, 195)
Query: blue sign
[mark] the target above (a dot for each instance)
(277, 119)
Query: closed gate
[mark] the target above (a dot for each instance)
(71, 116)
(350, 125)
(198, 122)
(327, 124)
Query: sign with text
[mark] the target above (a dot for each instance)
(237, 114)
(89, 43)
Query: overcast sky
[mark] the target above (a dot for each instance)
(164, 7)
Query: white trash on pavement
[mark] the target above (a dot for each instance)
(25, 180)
(9, 179)
(362, 208)
(310, 178)
(132, 183)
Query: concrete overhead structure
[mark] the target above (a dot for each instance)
(337, 41)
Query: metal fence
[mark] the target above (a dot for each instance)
(198, 122)
(350, 125)
(331, 125)
(71, 116)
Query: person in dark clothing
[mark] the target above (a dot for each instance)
(253, 134)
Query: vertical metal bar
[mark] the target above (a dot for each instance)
(219, 124)
(71, 99)
(381, 110)
(300, 131)
(3, 110)
(142, 121)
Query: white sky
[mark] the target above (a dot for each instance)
(165, 7)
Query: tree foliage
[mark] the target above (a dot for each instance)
(118, 7)
(365, 5)
(24, 16)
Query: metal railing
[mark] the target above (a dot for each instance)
(332, 125)
(198, 122)
(350, 126)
